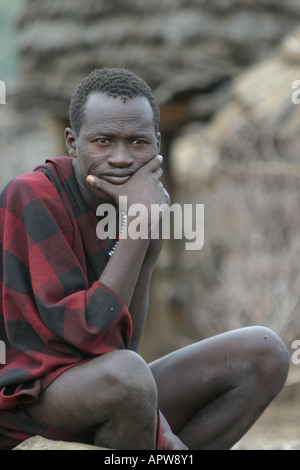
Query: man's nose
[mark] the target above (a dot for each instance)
(121, 156)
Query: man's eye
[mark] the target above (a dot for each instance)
(103, 140)
(139, 142)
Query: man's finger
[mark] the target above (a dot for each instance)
(110, 189)
(153, 164)
(157, 161)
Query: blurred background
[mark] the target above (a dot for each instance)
(222, 72)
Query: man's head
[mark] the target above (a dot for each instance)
(114, 119)
(114, 83)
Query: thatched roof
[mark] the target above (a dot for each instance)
(257, 131)
(244, 165)
(264, 109)
(180, 47)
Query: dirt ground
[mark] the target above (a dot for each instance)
(279, 426)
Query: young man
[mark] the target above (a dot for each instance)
(74, 304)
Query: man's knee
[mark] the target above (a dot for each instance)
(129, 381)
(270, 357)
(130, 401)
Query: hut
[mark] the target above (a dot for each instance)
(187, 50)
(249, 152)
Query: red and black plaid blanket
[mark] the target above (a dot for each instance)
(54, 313)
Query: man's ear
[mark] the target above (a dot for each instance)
(70, 139)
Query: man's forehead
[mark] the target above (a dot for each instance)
(103, 103)
(101, 108)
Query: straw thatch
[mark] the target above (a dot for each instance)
(182, 48)
(263, 113)
(266, 97)
(248, 272)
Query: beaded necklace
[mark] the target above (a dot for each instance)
(123, 223)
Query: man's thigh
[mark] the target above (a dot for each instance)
(69, 403)
(190, 378)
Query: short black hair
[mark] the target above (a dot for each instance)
(115, 83)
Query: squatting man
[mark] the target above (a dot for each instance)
(74, 305)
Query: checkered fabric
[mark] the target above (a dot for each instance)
(54, 313)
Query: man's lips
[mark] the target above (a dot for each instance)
(116, 179)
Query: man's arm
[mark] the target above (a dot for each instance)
(138, 310)
(140, 300)
(122, 272)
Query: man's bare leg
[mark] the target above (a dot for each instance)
(114, 396)
(212, 392)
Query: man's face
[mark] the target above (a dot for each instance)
(116, 138)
